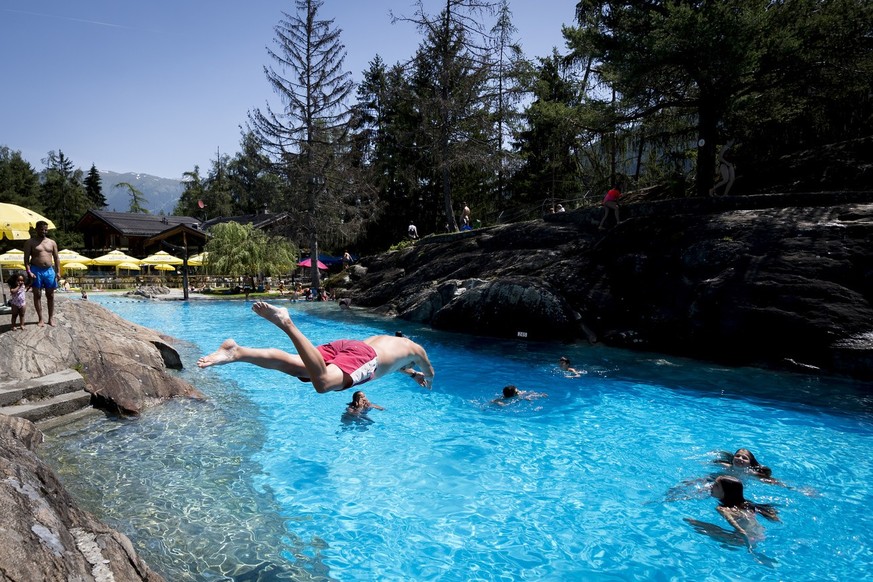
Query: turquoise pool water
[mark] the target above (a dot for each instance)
(266, 481)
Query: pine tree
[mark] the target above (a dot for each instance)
(451, 70)
(191, 202)
(305, 136)
(253, 187)
(62, 190)
(19, 182)
(506, 90)
(94, 188)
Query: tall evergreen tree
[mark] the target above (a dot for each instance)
(253, 186)
(376, 151)
(549, 138)
(506, 90)
(451, 69)
(732, 67)
(63, 194)
(19, 182)
(217, 188)
(191, 202)
(305, 136)
(94, 188)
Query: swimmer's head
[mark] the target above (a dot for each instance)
(744, 459)
(728, 490)
(564, 362)
(510, 391)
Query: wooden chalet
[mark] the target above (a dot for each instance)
(139, 235)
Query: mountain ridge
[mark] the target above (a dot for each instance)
(161, 194)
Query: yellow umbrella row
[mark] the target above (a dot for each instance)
(15, 258)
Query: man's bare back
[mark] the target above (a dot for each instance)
(393, 354)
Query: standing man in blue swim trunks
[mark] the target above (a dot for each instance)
(42, 264)
(337, 365)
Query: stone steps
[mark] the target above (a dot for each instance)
(51, 398)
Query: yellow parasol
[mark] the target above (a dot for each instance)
(73, 266)
(70, 256)
(13, 258)
(128, 266)
(115, 258)
(161, 258)
(164, 267)
(16, 221)
(199, 260)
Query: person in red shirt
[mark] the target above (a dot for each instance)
(610, 201)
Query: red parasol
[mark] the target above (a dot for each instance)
(308, 263)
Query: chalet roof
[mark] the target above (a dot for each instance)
(194, 236)
(136, 224)
(262, 220)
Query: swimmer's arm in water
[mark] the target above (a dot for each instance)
(533, 395)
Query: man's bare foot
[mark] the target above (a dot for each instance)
(40, 323)
(52, 322)
(276, 315)
(225, 354)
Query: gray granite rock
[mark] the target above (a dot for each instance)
(768, 280)
(124, 365)
(44, 535)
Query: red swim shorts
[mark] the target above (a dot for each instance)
(353, 357)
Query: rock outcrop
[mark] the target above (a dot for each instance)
(766, 280)
(44, 535)
(124, 365)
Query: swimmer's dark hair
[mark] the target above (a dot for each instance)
(564, 359)
(355, 398)
(510, 391)
(733, 497)
(13, 279)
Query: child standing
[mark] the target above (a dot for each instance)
(17, 288)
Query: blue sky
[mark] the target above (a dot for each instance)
(160, 86)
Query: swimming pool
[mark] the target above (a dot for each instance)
(266, 481)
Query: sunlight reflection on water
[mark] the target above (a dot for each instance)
(266, 481)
